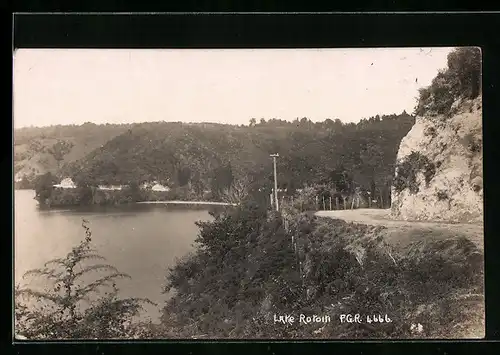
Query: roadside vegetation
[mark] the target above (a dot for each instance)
(231, 287)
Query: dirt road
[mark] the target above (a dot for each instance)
(405, 232)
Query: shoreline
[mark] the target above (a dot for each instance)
(178, 202)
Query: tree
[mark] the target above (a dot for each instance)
(65, 309)
(237, 192)
(460, 80)
(328, 122)
(86, 179)
(304, 121)
(59, 150)
(35, 146)
(464, 65)
(222, 178)
(197, 184)
(44, 184)
(253, 122)
(341, 180)
(134, 191)
(183, 176)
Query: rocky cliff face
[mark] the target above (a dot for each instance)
(439, 172)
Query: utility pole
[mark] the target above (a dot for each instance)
(274, 156)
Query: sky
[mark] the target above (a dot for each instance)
(74, 86)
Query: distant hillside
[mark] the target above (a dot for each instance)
(38, 150)
(211, 156)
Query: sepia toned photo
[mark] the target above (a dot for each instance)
(248, 194)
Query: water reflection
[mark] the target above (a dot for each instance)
(140, 240)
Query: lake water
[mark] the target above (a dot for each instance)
(140, 240)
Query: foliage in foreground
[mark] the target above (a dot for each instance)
(248, 268)
(73, 307)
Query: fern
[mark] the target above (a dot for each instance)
(64, 309)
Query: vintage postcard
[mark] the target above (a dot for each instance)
(248, 194)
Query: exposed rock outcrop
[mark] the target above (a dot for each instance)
(446, 183)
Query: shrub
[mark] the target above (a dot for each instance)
(461, 79)
(473, 145)
(442, 195)
(44, 187)
(237, 192)
(66, 309)
(430, 131)
(407, 169)
(305, 200)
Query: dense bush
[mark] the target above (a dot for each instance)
(461, 80)
(464, 65)
(248, 268)
(407, 170)
(44, 187)
(305, 200)
(442, 195)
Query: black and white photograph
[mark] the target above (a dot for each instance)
(332, 193)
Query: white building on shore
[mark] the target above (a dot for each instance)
(66, 183)
(154, 186)
(110, 187)
(159, 187)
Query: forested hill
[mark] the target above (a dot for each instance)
(203, 155)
